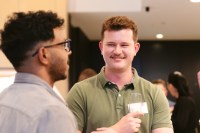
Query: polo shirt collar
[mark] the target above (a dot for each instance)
(104, 81)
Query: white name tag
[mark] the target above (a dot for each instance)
(138, 107)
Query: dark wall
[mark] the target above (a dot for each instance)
(83, 54)
(80, 57)
(158, 59)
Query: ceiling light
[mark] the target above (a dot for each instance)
(194, 1)
(159, 36)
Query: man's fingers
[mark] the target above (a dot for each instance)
(136, 114)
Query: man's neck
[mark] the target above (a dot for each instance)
(120, 78)
(38, 71)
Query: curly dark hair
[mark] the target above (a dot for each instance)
(118, 23)
(23, 31)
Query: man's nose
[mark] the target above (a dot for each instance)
(117, 49)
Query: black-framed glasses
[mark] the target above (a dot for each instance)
(66, 45)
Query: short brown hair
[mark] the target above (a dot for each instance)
(119, 23)
(159, 81)
(86, 73)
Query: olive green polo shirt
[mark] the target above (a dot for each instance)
(96, 102)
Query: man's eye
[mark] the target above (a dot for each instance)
(110, 44)
(124, 45)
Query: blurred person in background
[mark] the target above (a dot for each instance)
(196, 94)
(86, 73)
(198, 80)
(162, 85)
(184, 115)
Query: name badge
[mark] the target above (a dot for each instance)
(138, 107)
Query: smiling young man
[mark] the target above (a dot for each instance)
(35, 44)
(100, 103)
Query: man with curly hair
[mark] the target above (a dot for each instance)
(35, 44)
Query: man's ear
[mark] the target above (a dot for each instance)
(137, 47)
(100, 46)
(43, 56)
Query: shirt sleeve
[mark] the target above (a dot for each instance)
(76, 103)
(161, 114)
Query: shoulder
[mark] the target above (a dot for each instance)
(34, 108)
(81, 90)
(146, 86)
(87, 85)
(30, 101)
(142, 83)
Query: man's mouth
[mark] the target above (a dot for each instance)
(117, 57)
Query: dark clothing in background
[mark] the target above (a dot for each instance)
(196, 95)
(184, 116)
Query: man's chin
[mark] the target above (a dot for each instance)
(118, 66)
(63, 77)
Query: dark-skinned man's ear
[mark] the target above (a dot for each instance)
(42, 55)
